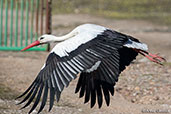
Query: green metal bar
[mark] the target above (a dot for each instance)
(6, 22)
(16, 25)
(11, 31)
(32, 17)
(27, 20)
(1, 23)
(44, 48)
(22, 15)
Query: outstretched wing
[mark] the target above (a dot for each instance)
(62, 66)
(99, 83)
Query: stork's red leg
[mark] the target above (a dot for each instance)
(157, 57)
(152, 57)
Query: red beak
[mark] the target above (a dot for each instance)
(35, 43)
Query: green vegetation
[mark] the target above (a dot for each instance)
(156, 10)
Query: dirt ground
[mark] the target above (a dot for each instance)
(144, 87)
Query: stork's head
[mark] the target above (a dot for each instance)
(50, 38)
(41, 40)
(46, 39)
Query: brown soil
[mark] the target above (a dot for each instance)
(143, 86)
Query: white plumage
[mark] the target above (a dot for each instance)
(132, 44)
(81, 35)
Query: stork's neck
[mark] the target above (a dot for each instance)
(62, 38)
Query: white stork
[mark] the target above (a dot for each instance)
(97, 53)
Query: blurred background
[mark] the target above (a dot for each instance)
(141, 87)
(158, 11)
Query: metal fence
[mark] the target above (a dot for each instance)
(22, 21)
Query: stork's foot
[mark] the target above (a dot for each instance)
(152, 57)
(155, 58)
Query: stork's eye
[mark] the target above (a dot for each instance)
(42, 38)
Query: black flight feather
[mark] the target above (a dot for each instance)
(44, 99)
(37, 98)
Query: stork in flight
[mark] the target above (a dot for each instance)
(97, 53)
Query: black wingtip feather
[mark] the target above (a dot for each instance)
(82, 91)
(44, 99)
(58, 93)
(87, 94)
(92, 90)
(92, 87)
(79, 83)
(28, 95)
(93, 98)
(52, 95)
(82, 86)
(106, 94)
(99, 93)
(37, 99)
(32, 97)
